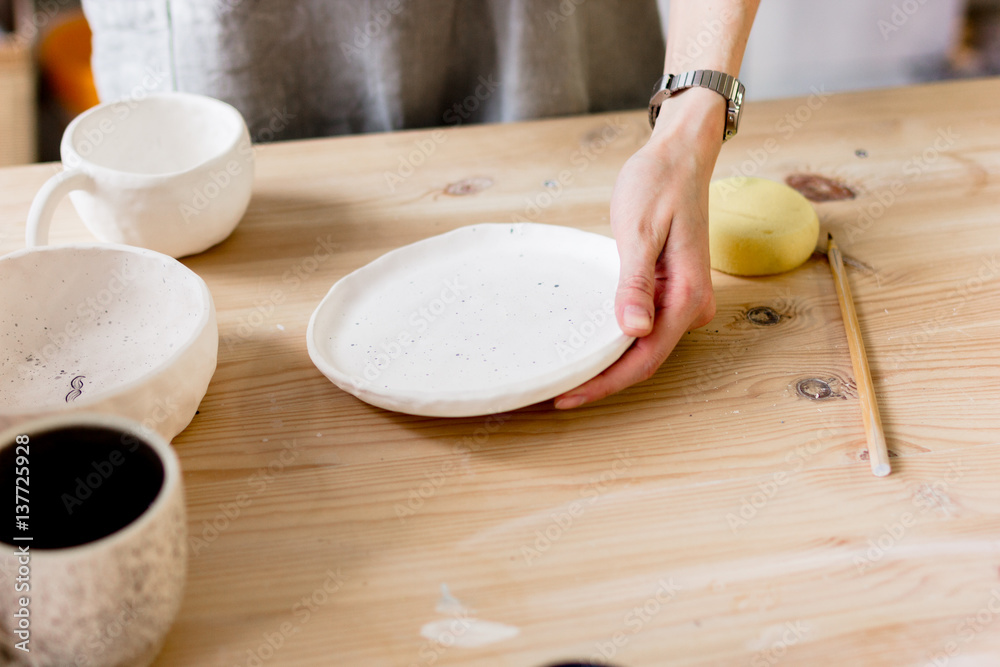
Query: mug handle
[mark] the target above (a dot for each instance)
(36, 232)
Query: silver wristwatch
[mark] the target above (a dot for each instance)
(722, 83)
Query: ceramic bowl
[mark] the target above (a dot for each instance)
(104, 328)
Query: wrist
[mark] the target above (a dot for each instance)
(696, 114)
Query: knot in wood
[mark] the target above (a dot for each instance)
(763, 316)
(468, 186)
(814, 389)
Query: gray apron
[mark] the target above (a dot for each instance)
(307, 68)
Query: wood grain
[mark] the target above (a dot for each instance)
(713, 515)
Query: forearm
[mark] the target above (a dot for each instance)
(708, 34)
(659, 207)
(703, 34)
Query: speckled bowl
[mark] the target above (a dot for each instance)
(104, 328)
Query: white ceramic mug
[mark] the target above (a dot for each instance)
(170, 172)
(77, 594)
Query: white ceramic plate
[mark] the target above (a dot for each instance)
(480, 320)
(104, 328)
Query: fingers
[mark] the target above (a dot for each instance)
(638, 363)
(689, 303)
(635, 297)
(658, 215)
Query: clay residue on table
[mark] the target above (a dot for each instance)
(819, 188)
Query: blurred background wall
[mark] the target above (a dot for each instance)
(848, 45)
(796, 45)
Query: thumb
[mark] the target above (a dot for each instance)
(636, 288)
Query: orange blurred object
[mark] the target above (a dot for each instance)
(64, 56)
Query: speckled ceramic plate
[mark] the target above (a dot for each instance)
(104, 328)
(480, 320)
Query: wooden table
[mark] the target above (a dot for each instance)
(719, 513)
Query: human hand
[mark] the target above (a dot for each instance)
(659, 216)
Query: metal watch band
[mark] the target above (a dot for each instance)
(724, 84)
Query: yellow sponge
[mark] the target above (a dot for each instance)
(758, 227)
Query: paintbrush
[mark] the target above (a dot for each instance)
(878, 453)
